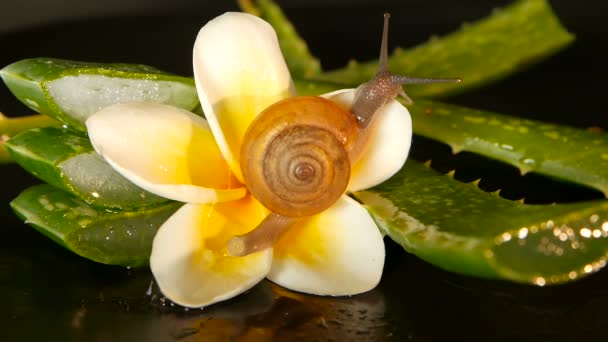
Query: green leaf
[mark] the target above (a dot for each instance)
(463, 229)
(71, 91)
(69, 162)
(116, 238)
(567, 153)
(571, 154)
(481, 52)
(300, 61)
(13, 126)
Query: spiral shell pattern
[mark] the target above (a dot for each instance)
(296, 165)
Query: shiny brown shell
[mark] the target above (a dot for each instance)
(295, 155)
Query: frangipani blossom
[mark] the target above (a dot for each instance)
(239, 72)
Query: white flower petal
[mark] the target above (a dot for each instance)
(165, 150)
(338, 252)
(239, 71)
(189, 259)
(388, 145)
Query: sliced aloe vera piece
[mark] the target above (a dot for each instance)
(462, 229)
(69, 162)
(13, 126)
(567, 153)
(480, 52)
(116, 238)
(300, 61)
(71, 91)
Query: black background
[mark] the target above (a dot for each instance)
(46, 292)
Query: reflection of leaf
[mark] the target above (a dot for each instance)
(462, 229)
(480, 52)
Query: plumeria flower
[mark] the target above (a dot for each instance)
(240, 71)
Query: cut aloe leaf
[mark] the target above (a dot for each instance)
(116, 238)
(571, 154)
(10, 127)
(71, 91)
(300, 61)
(69, 162)
(462, 229)
(483, 51)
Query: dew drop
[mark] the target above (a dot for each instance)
(149, 290)
(585, 232)
(540, 281)
(523, 233)
(594, 218)
(529, 162)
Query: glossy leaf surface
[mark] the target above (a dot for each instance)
(10, 127)
(567, 153)
(463, 229)
(71, 91)
(116, 238)
(68, 161)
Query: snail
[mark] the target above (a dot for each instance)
(296, 156)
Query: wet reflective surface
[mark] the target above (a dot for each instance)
(48, 293)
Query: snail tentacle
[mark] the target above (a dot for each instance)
(262, 237)
(385, 87)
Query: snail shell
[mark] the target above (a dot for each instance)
(295, 155)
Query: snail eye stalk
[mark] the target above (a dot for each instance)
(385, 87)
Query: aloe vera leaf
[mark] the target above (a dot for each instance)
(12, 126)
(489, 49)
(116, 238)
(300, 61)
(68, 161)
(567, 153)
(463, 229)
(71, 91)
